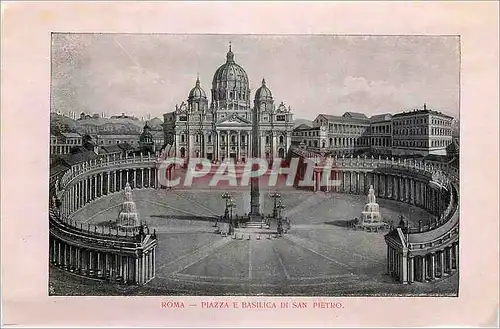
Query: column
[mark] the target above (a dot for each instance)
(455, 248)
(411, 269)
(54, 251)
(449, 259)
(83, 259)
(78, 260)
(441, 263)
(91, 262)
(317, 182)
(128, 181)
(218, 145)
(394, 187)
(70, 263)
(424, 268)
(142, 178)
(95, 186)
(153, 260)
(102, 183)
(77, 195)
(274, 144)
(358, 189)
(433, 266)
(108, 182)
(116, 267)
(136, 271)
(238, 146)
(126, 272)
(99, 267)
(143, 268)
(388, 260)
(134, 171)
(404, 268)
(65, 255)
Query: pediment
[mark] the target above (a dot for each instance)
(234, 120)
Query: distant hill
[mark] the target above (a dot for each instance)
(298, 122)
(60, 123)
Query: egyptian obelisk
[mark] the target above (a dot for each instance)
(254, 181)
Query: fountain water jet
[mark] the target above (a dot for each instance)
(128, 219)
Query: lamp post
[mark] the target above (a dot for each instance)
(232, 224)
(226, 196)
(275, 195)
(280, 208)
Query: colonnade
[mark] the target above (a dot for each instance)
(95, 185)
(117, 258)
(409, 188)
(98, 263)
(408, 267)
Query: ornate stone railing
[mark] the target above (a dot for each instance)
(107, 162)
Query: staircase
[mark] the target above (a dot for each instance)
(261, 224)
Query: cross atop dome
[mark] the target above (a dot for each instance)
(263, 81)
(230, 55)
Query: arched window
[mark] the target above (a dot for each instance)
(281, 140)
(267, 139)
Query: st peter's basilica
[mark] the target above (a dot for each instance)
(223, 128)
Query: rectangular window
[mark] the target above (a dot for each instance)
(280, 118)
(183, 118)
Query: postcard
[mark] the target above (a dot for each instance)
(250, 164)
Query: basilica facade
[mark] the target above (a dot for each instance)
(221, 127)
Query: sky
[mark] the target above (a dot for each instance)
(142, 74)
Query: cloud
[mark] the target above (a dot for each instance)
(354, 85)
(357, 93)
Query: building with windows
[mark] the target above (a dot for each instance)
(346, 134)
(106, 139)
(221, 127)
(421, 132)
(381, 134)
(414, 133)
(311, 138)
(62, 143)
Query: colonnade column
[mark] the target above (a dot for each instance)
(411, 269)
(433, 266)
(108, 182)
(441, 263)
(424, 268)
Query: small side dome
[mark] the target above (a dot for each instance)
(197, 92)
(263, 93)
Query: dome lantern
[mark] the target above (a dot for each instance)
(197, 92)
(263, 93)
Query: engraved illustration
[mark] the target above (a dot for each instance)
(280, 165)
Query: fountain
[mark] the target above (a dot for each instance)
(370, 216)
(127, 219)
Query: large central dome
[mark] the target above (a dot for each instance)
(230, 81)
